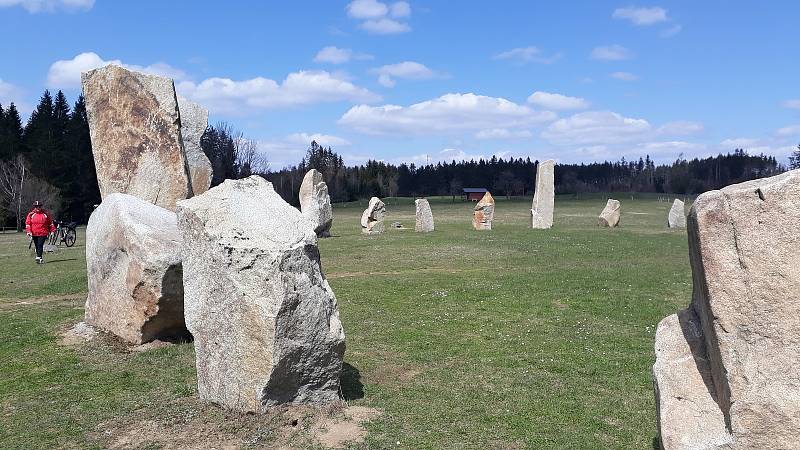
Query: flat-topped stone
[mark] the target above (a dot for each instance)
(544, 196)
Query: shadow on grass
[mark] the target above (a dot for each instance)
(53, 261)
(350, 383)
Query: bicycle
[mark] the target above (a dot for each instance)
(65, 232)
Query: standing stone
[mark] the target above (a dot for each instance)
(264, 319)
(610, 215)
(133, 262)
(483, 213)
(134, 126)
(194, 121)
(544, 197)
(372, 218)
(744, 249)
(424, 216)
(315, 203)
(677, 216)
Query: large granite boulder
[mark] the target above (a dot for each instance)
(544, 197)
(424, 216)
(194, 121)
(134, 126)
(264, 319)
(609, 217)
(315, 203)
(483, 213)
(677, 216)
(133, 262)
(372, 217)
(744, 249)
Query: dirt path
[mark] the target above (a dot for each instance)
(7, 303)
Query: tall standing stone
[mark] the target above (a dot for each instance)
(677, 216)
(315, 203)
(483, 213)
(134, 126)
(544, 197)
(194, 121)
(372, 218)
(134, 272)
(264, 319)
(609, 217)
(744, 249)
(424, 216)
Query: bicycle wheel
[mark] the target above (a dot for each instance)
(69, 237)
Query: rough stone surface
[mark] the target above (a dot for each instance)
(315, 203)
(609, 217)
(677, 216)
(544, 197)
(372, 218)
(265, 321)
(133, 262)
(194, 121)
(135, 131)
(744, 249)
(483, 213)
(424, 216)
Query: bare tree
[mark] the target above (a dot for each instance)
(12, 181)
(248, 159)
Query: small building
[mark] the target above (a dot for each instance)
(474, 194)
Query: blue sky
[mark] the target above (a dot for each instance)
(432, 80)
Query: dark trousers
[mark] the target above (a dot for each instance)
(39, 241)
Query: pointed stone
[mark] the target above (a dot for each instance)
(373, 216)
(315, 203)
(194, 121)
(483, 213)
(544, 197)
(609, 217)
(677, 216)
(424, 216)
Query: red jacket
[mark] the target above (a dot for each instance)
(39, 224)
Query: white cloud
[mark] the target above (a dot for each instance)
(409, 70)
(641, 16)
(671, 31)
(66, 73)
(792, 103)
(502, 133)
(596, 127)
(681, 128)
(552, 101)
(37, 6)
(611, 53)
(336, 55)
(791, 130)
(624, 76)
(527, 54)
(9, 93)
(322, 139)
(401, 9)
(375, 16)
(385, 26)
(446, 114)
(366, 9)
(288, 150)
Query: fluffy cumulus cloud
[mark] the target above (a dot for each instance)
(791, 130)
(611, 53)
(66, 73)
(336, 55)
(321, 139)
(287, 150)
(527, 54)
(408, 70)
(37, 6)
(380, 18)
(598, 128)
(450, 113)
(8, 93)
(502, 133)
(624, 76)
(641, 16)
(553, 101)
(681, 128)
(792, 103)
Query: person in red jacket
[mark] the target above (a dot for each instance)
(38, 225)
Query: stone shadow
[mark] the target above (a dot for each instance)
(350, 384)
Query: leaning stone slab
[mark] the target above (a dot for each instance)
(194, 121)
(609, 217)
(677, 216)
(135, 131)
(544, 197)
(264, 319)
(133, 262)
(315, 203)
(372, 218)
(483, 213)
(424, 216)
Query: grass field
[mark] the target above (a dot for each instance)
(513, 338)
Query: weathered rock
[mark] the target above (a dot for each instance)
(677, 216)
(483, 213)
(135, 131)
(194, 121)
(372, 218)
(424, 215)
(744, 249)
(609, 217)
(315, 203)
(265, 321)
(544, 197)
(133, 262)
